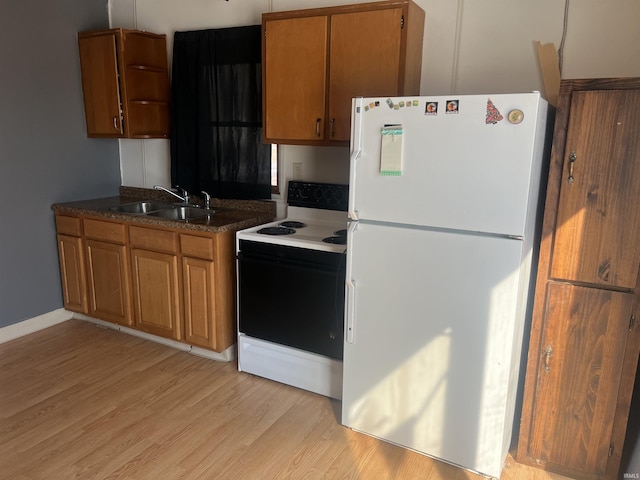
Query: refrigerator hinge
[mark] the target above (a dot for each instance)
(402, 22)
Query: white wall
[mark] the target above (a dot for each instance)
(470, 46)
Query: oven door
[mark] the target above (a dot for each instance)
(292, 296)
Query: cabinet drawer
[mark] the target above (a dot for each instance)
(152, 239)
(68, 225)
(107, 231)
(200, 247)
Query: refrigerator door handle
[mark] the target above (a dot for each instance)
(356, 150)
(350, 301)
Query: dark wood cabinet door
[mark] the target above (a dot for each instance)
(584, 337)
(596, 234)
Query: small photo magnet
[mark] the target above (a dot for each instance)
(452, 106)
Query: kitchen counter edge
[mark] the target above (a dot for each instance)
(249, 213)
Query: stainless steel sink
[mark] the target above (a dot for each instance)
(182, 213)
(141, 207)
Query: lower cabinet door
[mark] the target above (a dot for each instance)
(108, 276)
(583, 346)
(156, 293)
(73, 274)
(199, 302)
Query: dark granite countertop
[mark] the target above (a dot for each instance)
(230, 215)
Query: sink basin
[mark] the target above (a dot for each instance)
(140, 207)
(182, 213)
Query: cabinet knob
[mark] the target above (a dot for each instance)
(318, 120)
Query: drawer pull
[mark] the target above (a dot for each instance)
(547, 358)
(572, 162)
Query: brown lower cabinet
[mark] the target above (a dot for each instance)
(585, 342)
(158, 280)
(156, 293)
(208, 289)
(72, 272)
(108, 271)
(156, 283)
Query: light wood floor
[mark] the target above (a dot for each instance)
(81, 401)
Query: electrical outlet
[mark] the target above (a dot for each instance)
(297, 171)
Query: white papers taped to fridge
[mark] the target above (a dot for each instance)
(391, 151)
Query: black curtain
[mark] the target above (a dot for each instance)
(216, 114)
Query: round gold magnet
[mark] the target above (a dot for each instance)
(516, 116)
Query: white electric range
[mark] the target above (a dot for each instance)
(291, 291)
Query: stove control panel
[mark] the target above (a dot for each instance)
(328, 196)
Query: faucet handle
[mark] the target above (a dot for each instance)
(183, 192)
(207, 199)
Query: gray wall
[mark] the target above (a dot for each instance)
(45, 156)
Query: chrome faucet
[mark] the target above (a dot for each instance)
(207, 199)
(184, 197)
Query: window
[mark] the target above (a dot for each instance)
(216, 124)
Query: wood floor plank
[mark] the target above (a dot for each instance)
(84, 402)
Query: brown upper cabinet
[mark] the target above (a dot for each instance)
(315, 61)
(585, 343)
(125, 81)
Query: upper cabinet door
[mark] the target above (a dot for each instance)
(365, 62)
(100, 85)
(316, 60)
(596, 236)
(294, 68)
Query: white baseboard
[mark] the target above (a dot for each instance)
(17, 330)
(224, 356)
(31, 325)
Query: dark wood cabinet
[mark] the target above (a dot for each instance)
(584, 343)
(315, 61)
(125, 82)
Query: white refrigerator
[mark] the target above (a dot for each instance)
(443, 203)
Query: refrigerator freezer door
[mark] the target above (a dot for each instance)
(433, 338)
(457, 171)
